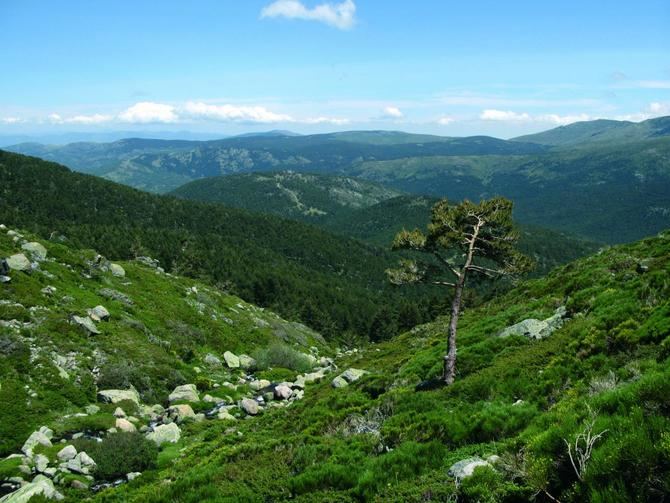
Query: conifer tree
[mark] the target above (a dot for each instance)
(462, 239)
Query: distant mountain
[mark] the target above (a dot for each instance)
(163, 165)
(104, 136)
(613, 192)
(300, 196)
(600, 131)
(274, 132)
(359, 209)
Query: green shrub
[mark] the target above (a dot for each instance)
(119, 454)
(281, 355)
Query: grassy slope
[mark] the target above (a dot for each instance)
(611, 356)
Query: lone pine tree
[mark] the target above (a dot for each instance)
(462, 239)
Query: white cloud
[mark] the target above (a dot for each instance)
(562, 120)
(88, 119)
(445, 120)
(55, 118)
(655, 109)
(643, 84)
(10, 120)
(504, 115)
(393, 113)
(147, 111)
(509, 116)
(325, 120)
(199, 110)
(340, 15)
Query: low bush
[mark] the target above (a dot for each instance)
(281, 355)
(119, 454)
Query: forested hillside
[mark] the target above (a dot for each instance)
(332, 283)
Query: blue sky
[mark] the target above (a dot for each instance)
(224, 66)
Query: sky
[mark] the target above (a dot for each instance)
(454, 68)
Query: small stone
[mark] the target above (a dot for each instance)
(181, 412)
(339, 382)
(118, 395)
(19, 262)
(133, 475)
(78, 484)
(249, 406)
(92, 409)
(185, 392)
(87, 324)
(98, 313)
(260, 384)
(282, 392)
(232, 360)
(351, 375)
(117, 270)
(247, 362)
(125, 425)
(212, 361)
(165, 433)
(41, 462)
(225, 415)
(67, 453)
(36, 250)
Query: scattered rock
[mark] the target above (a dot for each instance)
(87, 324)
(67, 453)
(41, 462)
(123, 424)
(249, 406)
(81, 463)
(109, 293)
(42, 436)
(133, 475)
(339, 382)
(247, 362)
(259, 385)
(119, 412)
(181, 412)
(19, 262)
(165, 433)
(350, 375)
(36, 250)
(232, 360)
(186, 393)
(92, 409)
(117, 270)
(48, 290)
(118, 395)
(283, 392)
(466, 467)
(98, 313)
(213, 361)
(536, 329)
(313, 376)
(40, 486)
(225, 415)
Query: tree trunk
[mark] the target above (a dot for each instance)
(450, 357)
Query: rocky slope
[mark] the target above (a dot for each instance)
(91, 349)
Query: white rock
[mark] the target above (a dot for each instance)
(40, 485)
(118, 395)
(67, 453)
(185, 392)
(283, 392)
(41, 462)
(339, 382)
(98, 313)
(36, 438)
(249, 406)
(133, 475)
(117, 270)
(232, 360)
(36, 250)
(247, 362)
(119, 412)
(165, 433)
(125, 425)
(87, 324)
(181, 412)
(19, 262)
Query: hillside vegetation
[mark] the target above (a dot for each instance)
(515, 403)
(385, 433)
